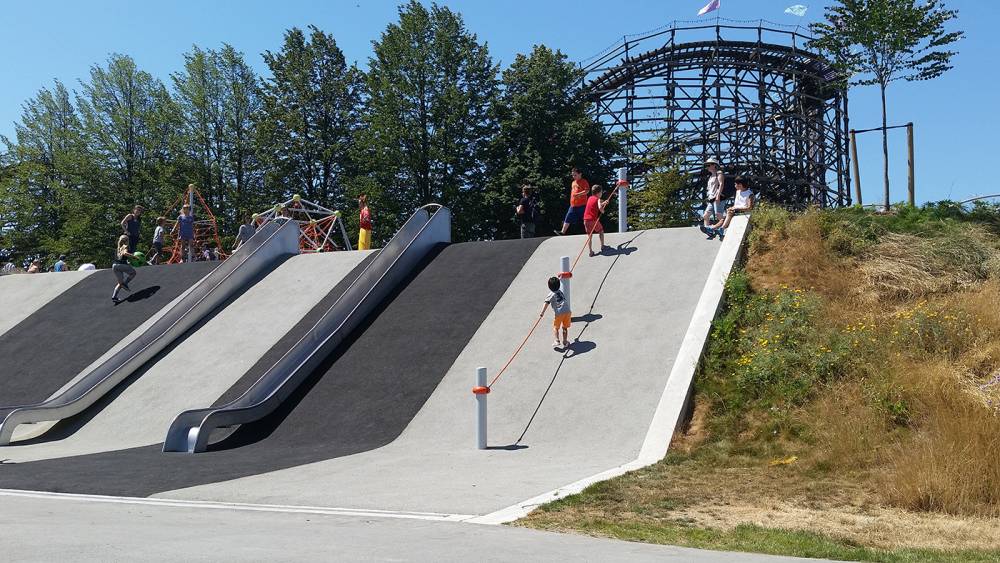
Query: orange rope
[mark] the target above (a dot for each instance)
(516, 352)
(586, 244)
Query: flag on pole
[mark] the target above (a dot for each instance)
(797, 10)
(710, 7)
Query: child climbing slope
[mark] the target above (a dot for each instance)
(563, 316)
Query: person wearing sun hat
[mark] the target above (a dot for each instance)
(713, 196)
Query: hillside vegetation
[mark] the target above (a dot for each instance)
(850, 389)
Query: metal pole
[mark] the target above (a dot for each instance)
(481, 390)
(909, 163)
(854, 166)
(564, 277)
(622, 205)
(191, 207)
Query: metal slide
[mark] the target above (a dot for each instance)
(269, 243)
(428, 227)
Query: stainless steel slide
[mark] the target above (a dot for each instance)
(428, 227)
(271, 242)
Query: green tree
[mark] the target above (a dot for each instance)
(218, 96)
(545, 129)
(882, 41)
(428, 123)
(43, 173)
(664, 200)
(311, 110)
(130, 125)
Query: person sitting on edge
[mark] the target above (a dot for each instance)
(246, 231)
(364, 223)
(742, 203)
(158, 233)
(185, 228)
(577, 201)
(35, 267)
(130, 227)
(60, 265)
(563, 315)
(592, 216)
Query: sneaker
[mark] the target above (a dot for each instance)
(558, 232)
(708, 231)
(115, 300)
(722, 234)
(556, 345)
(592, 254)
(565, 343)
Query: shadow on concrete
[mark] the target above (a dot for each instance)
(509, 447)
(144, 293)
(578, 347)
(588, 318)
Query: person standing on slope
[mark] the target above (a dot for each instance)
(713, 197)
(124, 272)
(130, 227)
(577, 201)
(364, 224)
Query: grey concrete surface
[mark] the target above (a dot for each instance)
(22, 294)
(204, 365)
(598, 400)
(55, 529)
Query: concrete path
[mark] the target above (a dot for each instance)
(23, 294)
(48, 529)
(202, 367)
(594, 405)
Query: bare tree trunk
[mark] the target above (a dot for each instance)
(885, 149)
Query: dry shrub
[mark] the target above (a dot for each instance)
(849, 434)
(949, 464)
(795, 256)
(903, 266)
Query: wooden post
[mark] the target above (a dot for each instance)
(909, 162)
(854, 166)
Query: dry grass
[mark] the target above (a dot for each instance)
(897, 447)
(903, 266)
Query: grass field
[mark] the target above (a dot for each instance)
(847, 405)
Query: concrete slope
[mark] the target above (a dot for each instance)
(365, 395)
(579, 413)
(202, 367)
(66, 335)
(23, 294)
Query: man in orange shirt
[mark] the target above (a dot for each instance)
(577, 201)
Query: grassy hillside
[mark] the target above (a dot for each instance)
(847, 403)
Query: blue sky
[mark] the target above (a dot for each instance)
(956, 117)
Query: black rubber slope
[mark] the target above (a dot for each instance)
(360, 399)
(54, 344)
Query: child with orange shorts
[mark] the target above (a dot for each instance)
(560, 306)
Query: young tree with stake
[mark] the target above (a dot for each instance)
(881, 41)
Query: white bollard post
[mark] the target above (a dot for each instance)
(564, 276)
(622, 205)
(481, 390)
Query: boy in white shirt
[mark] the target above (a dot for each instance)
(743, 202)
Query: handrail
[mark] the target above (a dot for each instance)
(256, 255)
(192, 429)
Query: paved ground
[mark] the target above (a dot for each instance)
(23, 294)
(362, 398)
(204, 365)
(594, 405)
(76, 328)
(90, 531)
